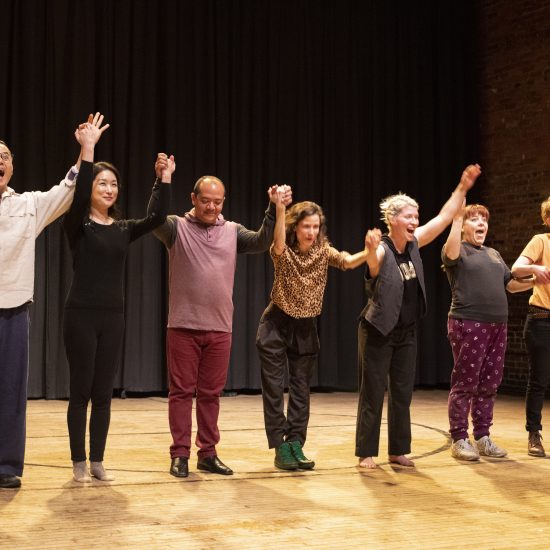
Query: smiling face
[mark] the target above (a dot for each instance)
(6, 167)
(404, 224)
(208, 202)
(307, 231)
(104, 191)
(474, 229)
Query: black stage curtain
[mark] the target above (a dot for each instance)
(347, 101)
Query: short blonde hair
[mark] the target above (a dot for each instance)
(392, 205)
(545, 210)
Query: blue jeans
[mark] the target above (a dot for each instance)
(537, 339)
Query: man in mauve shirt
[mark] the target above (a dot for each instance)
(203, 248)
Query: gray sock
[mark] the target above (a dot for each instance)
(81, 473)
(98, 471)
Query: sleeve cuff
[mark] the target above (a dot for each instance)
(72, 175)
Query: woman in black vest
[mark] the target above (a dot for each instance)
(394, 283)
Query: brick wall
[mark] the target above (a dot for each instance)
(514, 83)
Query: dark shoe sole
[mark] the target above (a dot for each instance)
(536, 454)
(306, 465)
(11, 485)
(287, 467)
(176, 474)
(219, 472)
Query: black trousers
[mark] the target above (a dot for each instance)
(385, 360)
(14, 371)
(283, 343)
(93, 340)
(537, 339)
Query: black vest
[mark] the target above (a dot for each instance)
(385, 292)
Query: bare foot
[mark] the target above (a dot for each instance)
(402, 460)
(367, 462)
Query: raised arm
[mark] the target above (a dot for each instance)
(87, 135)
(426, 233)
(376, 252)
(279, 233)
(159, 203)
(165, 166)
(253, 242)
(452, 244)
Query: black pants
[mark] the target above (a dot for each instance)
(14, 370)
(537, 339)
(93, 340)
(385, 360)
(285, 342)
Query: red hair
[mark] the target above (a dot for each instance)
(473, 210)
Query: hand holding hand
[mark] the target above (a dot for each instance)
(280, 194)
(372, 239)
(89, 133)
(542, 274)
(470, 175)
(164, 167)
(287, 199)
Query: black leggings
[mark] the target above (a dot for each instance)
(93, 341)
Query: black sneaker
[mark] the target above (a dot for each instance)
(303, 462)
(9, 481)
(284, 459)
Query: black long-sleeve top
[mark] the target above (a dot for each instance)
(99, 251)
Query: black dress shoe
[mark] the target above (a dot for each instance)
(8, 481)
(214, 465)
(180, 466)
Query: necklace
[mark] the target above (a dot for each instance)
(102, 220)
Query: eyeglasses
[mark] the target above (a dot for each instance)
(5, 156)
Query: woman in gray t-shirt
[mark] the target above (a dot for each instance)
(477, 330)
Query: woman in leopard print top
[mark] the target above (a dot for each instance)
(287, 334)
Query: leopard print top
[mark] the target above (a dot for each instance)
(300, 279)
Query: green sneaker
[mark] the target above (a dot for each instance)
(284, 458)
(303, 462)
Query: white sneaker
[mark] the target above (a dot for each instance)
(487, 448)
(463, 450)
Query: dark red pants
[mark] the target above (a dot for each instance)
(197, 365)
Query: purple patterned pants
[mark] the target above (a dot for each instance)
(478, 351)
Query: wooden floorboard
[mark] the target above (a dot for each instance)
(442, 503)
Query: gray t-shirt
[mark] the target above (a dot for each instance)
(478, 278)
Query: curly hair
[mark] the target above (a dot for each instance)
(392, 205)
(114, 210)
(296, 213)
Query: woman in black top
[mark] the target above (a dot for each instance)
(94, 310)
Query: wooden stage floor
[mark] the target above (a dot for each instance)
(442, 503)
